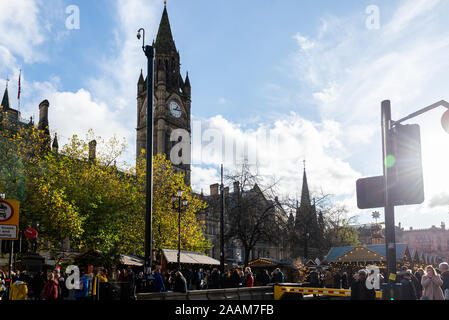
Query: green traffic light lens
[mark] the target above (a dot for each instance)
(390, 161)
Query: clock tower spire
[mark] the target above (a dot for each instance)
(172, 103)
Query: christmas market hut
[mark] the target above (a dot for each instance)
(287, 266)
(361, 256)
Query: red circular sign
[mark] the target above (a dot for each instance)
(30, 233)
(445, 121)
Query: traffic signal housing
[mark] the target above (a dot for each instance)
(405, 172)
(407, 185)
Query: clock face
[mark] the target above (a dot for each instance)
(175, 109)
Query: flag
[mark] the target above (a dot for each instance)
(18, 95)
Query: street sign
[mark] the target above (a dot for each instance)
(30, 233)
(370, 192)
(9, 219)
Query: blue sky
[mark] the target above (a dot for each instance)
(310, 73)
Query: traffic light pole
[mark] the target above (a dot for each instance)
(390, 237)
(149, 52)
(222, 258)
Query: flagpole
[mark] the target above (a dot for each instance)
(18, 95)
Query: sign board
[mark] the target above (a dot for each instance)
(30, 233)
(9, 219)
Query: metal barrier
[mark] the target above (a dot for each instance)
(281, 290)
(254, 293)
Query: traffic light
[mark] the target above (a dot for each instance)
(405, 168)
(407, 185)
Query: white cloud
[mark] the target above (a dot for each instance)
(107, 104)
(21, 29)
(277, 149)
(117, 86)
(303, 42)
(351, 69)
(202, 178)
(409, 12)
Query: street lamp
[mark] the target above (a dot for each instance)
(149, 53)
(178, 197)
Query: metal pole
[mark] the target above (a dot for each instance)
(222, 224)
(179, 236)
(387, 148)
(149, 52)
(11, 252)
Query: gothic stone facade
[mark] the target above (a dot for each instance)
(234, 251)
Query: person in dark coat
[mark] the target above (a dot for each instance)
(408, 291)
(158, 282)
(37, 283)
(419, 289)
(188, 275)
(337, 279)
(180, 283)
(344, 281)
(444, 268)
(313, 279)
(63, 292)
(359, 291)
(236, 279)
(214, 282)
(264, 277)
(278, 276)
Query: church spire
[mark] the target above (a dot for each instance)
(187, 81)
(5, 100)
(305, 195)
(55, 145)
(164, 40)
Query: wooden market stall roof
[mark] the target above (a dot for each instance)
(188, 257)
(269, 262)
(371, 253)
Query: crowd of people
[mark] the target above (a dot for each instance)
(423, 284)
(49, 285)
(52, 285)
(201, 279)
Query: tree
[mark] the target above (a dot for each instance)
(88, 200)
(339, 231)
(253, 217)
(333, 227)
(165, 211)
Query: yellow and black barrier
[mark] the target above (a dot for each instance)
(280, 290)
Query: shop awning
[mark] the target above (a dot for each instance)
(129, 260)
(188, 257)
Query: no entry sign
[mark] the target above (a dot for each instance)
(9, 219)
(30, 233)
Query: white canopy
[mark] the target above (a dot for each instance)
(188, 257)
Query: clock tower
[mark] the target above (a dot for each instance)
(171, 103)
